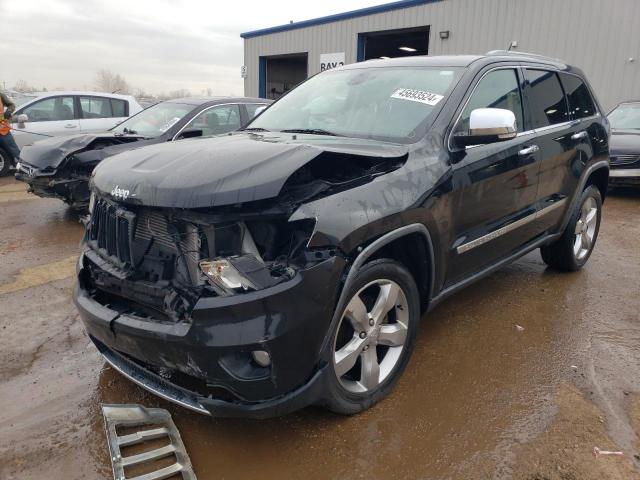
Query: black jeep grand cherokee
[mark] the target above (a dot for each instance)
(289, 264)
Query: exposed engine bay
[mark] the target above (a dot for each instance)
(62, 170)
(164, 261)
(148, 254)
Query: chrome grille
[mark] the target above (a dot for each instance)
(147, 425)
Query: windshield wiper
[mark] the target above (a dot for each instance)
(254, 129)
(129, 131)
(311, 131)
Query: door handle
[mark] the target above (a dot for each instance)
(579, 135)
(70, 125)
(529, 150)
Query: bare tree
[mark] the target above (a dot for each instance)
(182, 93)
(140, 92)
(23, 87)
(107, 81)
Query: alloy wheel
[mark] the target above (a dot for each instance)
(585, 228)
(371, 336)
(2, 160)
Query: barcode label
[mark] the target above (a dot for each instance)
(419, 96)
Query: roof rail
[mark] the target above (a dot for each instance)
(523, 54)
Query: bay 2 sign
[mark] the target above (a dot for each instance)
(331, 60)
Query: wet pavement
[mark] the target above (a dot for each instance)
(481, 398)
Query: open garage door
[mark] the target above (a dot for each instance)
(279, 74)
(393, 43)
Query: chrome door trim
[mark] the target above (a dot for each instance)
(556, 126)
(465, 247)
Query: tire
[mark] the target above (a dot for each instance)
(572, 250)
(388, 341)
(5, 163)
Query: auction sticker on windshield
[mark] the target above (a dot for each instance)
(417, 96)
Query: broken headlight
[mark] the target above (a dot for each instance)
(224, 275)
(241, 273)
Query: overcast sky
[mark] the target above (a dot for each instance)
(157, 45)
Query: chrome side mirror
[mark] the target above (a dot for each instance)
(488, 125)
(22, 119)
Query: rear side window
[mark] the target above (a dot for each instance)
(581, 104)
(95, 107)
(497, 89)
(547, 102)
(119, 108)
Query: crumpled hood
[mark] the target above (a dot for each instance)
(49, 153)
(226, 170)
(625, 142)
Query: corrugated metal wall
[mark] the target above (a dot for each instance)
(599, 36)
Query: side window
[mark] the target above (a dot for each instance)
(497, 89)
(581, 104)
(119, 108)
(254, 108)
(217, 120)
(95, 107)
(546, 99)
(51, 109)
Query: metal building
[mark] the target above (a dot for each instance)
(600, 36)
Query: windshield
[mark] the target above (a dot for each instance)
(390, 104)
(625, 117)
(22, 99)
(155, 120)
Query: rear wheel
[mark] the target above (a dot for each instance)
(572, 250)
(5, 163)
(373, 340)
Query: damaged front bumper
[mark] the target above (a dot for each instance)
(73, 190)
(205, 363)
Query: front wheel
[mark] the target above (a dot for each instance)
(572, 250)
(5, 163)
(374, 337)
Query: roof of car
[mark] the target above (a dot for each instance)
(77, 92)
(203, 100)
(419, 61)
(458, 60)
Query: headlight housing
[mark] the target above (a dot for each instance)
(222, 274)
(241, 273)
